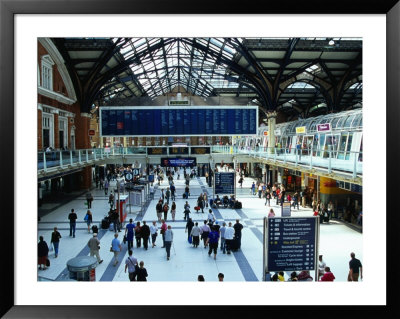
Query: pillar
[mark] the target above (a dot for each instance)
(271, 131)
(40, 132)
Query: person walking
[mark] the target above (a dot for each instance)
(330, 210)
(153, 233)
(355, 268)
(173, 189)
(212, 242)
(267, 198)
(189, 227)
(253, 189)
(169, 236)
(55, 241)
(159, 209)
(173, 211)
(129, 233)
(195, 233)
(138, 234)
(43, 252)
(141, 272)
(116, 248)
(210, 217)
(167, 195)
(72, 222)
(89, 199)
(205, 230)
(165, 211)
(222, 234)
(111, 200)
(229, 233)
(321, 266)
(106, 185)
(131, 264)
(163, 230)
(115, 220)
(89, 219)
(145, 233)
(271, 213)
(186, 211)
(238, 233)
(94, 247)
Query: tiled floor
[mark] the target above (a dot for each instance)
(186, 262)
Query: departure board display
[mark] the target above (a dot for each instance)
(179, 121)
(224, 183)
(178, 162)
(291, 244)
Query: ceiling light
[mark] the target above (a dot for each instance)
(331, 42)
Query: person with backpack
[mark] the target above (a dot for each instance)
(212, 241)
(131, 264)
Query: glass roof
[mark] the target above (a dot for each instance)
(166, 63)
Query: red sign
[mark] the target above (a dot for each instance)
(92, 274)
(120, 125)
(92, 132)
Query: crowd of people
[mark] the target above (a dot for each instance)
(211, 234)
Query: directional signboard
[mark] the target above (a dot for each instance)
(224, 183)
(291, 244)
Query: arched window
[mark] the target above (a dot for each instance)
(47, 72)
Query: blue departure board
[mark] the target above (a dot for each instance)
(179, 121)
(224, 183)
(291, 243)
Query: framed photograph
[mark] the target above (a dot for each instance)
(22, 23)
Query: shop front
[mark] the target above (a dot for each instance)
(291, 180)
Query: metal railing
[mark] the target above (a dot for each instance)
(347, 161)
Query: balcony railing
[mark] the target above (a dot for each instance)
(346, 161)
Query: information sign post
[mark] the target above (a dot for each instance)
(224, 183)
(291, 244)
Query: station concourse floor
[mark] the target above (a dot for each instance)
(337, 240)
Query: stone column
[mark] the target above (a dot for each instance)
(271, 131)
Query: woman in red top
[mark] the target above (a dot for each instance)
(163, 230)
(328, 276)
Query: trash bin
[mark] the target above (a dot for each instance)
(82, 268)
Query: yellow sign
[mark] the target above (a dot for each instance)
(300, 130)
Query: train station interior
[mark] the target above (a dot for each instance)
(276, 112)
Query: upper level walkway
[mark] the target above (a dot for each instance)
(326, 162)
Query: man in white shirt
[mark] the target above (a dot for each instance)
(153, 233)
(229, 233)
(321, 267)
(222, 232)
(130, 263)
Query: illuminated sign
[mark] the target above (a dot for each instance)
(300, 130)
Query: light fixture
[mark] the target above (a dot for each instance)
(331, 42)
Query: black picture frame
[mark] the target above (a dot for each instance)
(8, 10)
